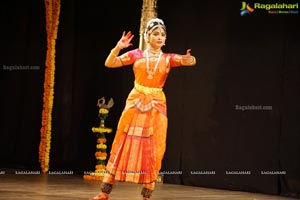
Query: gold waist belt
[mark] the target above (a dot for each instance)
(146, 90)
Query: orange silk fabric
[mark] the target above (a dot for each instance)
(140, 140)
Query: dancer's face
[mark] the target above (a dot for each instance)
(157, 38)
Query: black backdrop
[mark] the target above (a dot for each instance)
(248, 60)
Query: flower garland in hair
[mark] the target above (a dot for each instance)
(52, 21)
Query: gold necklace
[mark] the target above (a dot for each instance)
(151, 72)
(154, 53)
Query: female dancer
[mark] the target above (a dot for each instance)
(139, 145)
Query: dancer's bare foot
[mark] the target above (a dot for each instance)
(101, 196)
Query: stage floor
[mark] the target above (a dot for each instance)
(73, 187)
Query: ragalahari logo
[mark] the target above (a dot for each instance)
(246, 9)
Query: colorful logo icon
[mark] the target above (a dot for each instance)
(246, 9)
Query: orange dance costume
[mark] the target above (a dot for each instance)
(140, 140)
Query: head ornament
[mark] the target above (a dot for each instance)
(152, 25)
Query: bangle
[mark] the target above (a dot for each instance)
(113, 53)
(193, 61)
(185, 61)
(120, 48)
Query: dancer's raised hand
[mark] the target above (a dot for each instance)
(188, 59)
(125, 40)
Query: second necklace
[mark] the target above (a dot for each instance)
(151, 72)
